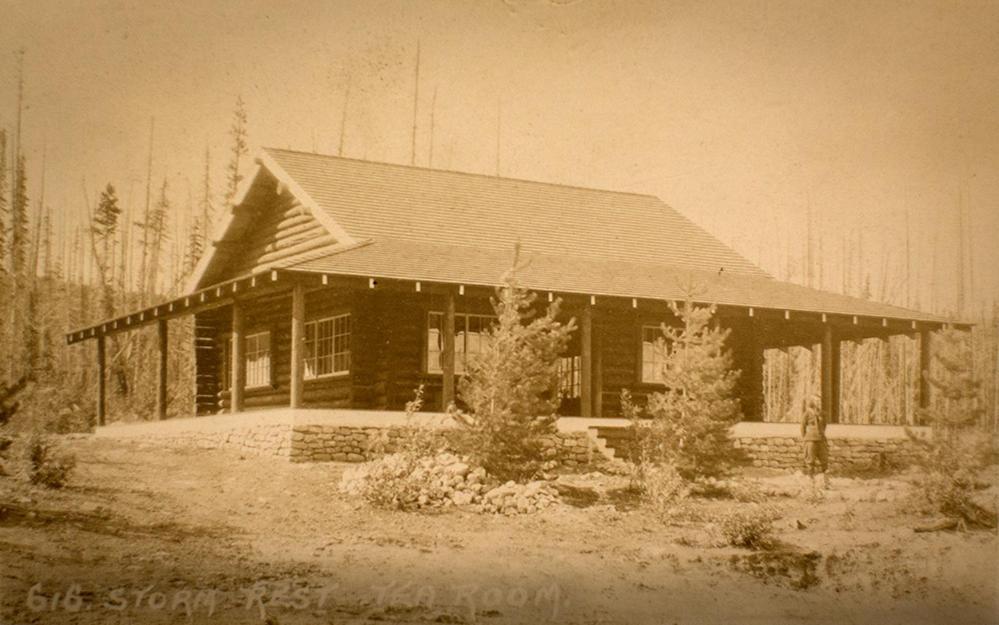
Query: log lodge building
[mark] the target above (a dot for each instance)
(336, 283)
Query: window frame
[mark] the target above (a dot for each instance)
(573, 374)
(641, 353)
(269, 382)
(333, 353)
(458, 353)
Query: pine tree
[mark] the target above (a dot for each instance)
(238, 150)
(508, 387)
(955, 384)
(691, 418)
(19, 222)
(158, 235)
(103, 231)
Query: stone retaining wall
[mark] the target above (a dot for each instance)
(340, 443)
(788, 453)
(257, 440)
(323, 443)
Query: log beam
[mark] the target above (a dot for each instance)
(447, 356)
(297, 381)
(830, 375)
(238, 364)
(101, 381)
(925, 356)
(586, 363)
(161, 370)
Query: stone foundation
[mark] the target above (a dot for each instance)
(323, 443)
(788, 453)
(304, 436)
(779, 446)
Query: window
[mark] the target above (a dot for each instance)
(470, 339)
(258, 359)
(653, 354)
(327, 347)
(568, 377)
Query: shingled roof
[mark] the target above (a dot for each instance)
(375, 201)
(421, 224)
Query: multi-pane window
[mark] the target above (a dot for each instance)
(327, 347)
(568, 377)
(653, 354)
(258, 359)
(470, 339)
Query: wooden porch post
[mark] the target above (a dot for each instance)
(101, 382)
(586, 363)
(161, 377)
(925, 354)
(598, 374)
(297, 344)
(447, 357)
(830, 374)
(238, 365)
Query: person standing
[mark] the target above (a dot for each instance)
(813, 437)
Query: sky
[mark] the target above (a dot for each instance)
(752, 118)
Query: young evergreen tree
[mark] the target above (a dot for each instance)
(692, 416)
(508, 386)
(955, 384)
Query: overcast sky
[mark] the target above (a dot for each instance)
(739, 114)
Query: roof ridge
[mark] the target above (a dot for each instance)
(467, 173)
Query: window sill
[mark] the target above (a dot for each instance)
(328, 376)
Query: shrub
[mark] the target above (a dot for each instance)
(691, 418)
(508, 387)
(748, 526)
(418, 439)
(952, 458)
(665, 491)
(46, 465)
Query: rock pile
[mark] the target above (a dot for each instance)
(402, 481)
(512, 498)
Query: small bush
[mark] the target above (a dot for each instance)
(417, 439)
(664, 491)
(46, 465)
(748, 526)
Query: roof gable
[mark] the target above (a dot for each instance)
(271, 221)
(374, 201)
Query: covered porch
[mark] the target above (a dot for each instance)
(398, 334)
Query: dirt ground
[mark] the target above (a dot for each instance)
(148, 535)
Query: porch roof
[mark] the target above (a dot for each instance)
(456, 264)
(477, 267)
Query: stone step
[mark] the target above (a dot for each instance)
(619, 441)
